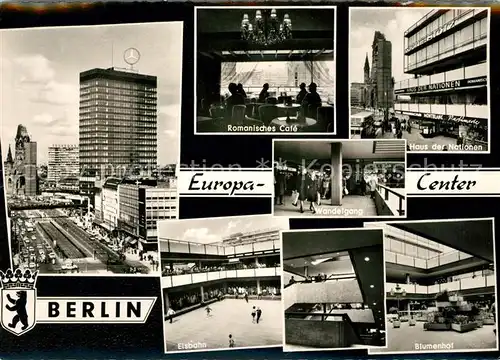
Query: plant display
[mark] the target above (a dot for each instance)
(460, 319)
(443, 296)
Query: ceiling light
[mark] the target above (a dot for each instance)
(367, 258)
(374, 304)
(319, 261)
(372, 286)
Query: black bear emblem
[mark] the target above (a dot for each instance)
(19, 306)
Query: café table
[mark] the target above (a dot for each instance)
(293, 121)
(288, 107)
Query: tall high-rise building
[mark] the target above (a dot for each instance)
(118, 126)
(381, 72)
(63, 163)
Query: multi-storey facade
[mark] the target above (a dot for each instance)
(110, 203)
(62, 163)
(381, 72)
(227, 268)
(118, 126)
(141, 205)
(446, 53)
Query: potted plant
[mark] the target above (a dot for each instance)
(437, 321)
(396, 324)
(461, 323)
(442, 299)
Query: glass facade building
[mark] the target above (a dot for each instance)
(62, 163)
(118, 125)
(446, 54)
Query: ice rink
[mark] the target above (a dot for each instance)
(230, 316)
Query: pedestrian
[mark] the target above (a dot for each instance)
(231, 341)
(259, 314)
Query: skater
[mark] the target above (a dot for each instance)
(170, 314)
(259, 314)
(246, 297)
(208, 310)
(253, 315)
(231, 341)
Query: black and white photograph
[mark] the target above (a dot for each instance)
(421, 74)
(334, 178)
(221, 282)
(265, 70)
(333, 296)
(440, 286)
(90, 139)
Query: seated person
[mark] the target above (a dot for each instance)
(234, 99)
(312, 97)
(264, 94)
(241, 91)
(302, 94)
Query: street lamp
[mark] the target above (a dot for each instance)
(399, 293)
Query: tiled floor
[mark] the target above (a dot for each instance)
(407, 338)
(230, 316)
(352, 206)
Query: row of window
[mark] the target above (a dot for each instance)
(91, 159)
(148, 122)
(403, 248)
(112, 92)
(84, 118)
(455, 41)
(120, 110)
(119, 84)
(129, 147)
(438, 23)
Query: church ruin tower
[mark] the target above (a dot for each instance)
(21, 171)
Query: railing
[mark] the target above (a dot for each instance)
(421, 21)
(439, 260)
(461, 110)
(196, 278)
(462, 284)
(185, 247)
(394, 199)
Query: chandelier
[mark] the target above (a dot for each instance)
(266, 29)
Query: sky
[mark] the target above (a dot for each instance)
(206, 231)
(39, 79)
(392, 22)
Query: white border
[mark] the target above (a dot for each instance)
(257, 7)
(161, 289)
(488, 61)
(453, 351)
(340, 216)
(283, 289)
(8, 219)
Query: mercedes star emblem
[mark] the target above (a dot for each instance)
(131, 56)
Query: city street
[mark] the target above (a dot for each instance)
(51, 241)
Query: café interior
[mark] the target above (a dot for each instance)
(265, 70)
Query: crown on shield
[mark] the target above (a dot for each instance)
(18, 279)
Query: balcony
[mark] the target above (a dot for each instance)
(197, 278)
(477, 282)
(185, 247)
(440, 260)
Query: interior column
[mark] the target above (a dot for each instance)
(202, 294)
(258, 287)
(336, 179)
(166, 301)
